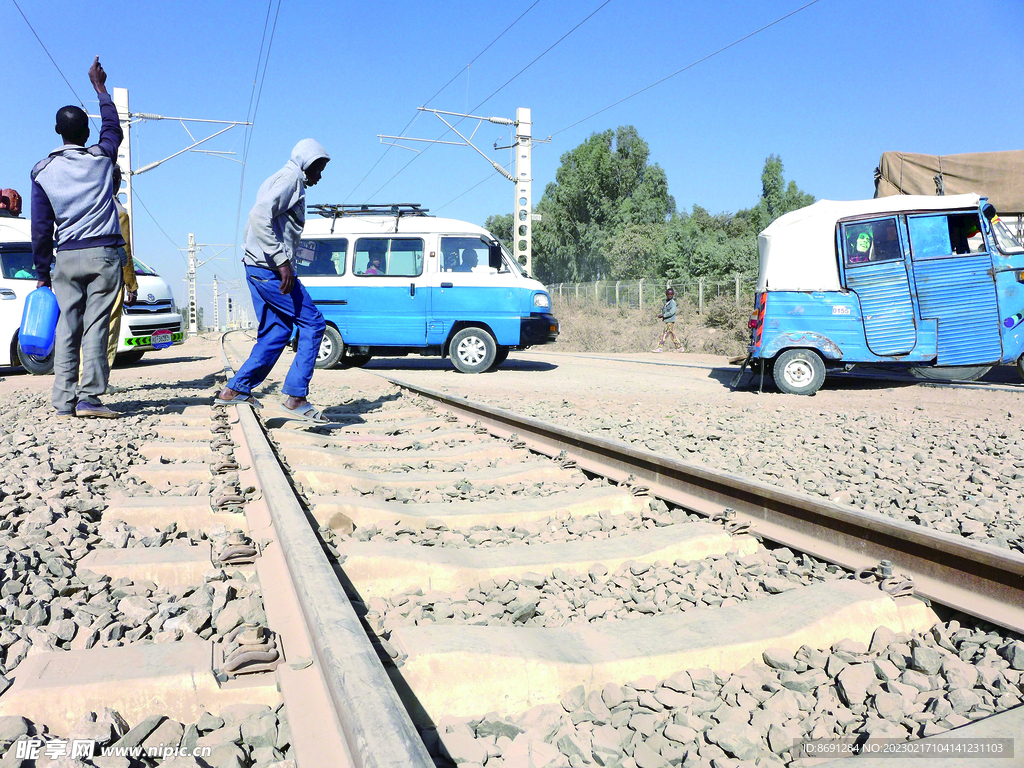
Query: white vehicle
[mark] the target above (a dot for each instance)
(153, 313)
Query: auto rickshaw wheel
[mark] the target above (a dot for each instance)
(799, 372)
(1020, 366)
(951, 372)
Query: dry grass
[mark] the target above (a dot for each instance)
(589, 326)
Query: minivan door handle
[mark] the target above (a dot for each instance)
(447, 285)
(412, 289)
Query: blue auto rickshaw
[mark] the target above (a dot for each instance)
(930, 285)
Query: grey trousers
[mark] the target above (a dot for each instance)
(85, 283)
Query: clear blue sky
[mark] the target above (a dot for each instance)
(828, 89)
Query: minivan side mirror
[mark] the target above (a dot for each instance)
(494, 256)
(989, 210)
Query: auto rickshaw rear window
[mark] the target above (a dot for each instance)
(947, 234)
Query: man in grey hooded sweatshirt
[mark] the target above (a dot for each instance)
(279, 299)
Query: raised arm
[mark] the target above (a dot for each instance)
(110, 129)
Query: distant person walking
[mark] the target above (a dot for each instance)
(279, 299)
(129, 283)
(668, 315)
(72, 192)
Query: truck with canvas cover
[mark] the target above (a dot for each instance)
(932, 285)
(999, 176)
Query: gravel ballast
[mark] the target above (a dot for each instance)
(902, 686)
(633, 590)
(962, 478)
(239, 736)
(60, 475)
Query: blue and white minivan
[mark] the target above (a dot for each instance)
(392, 281)
(930, 285)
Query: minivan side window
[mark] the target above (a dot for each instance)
(868, 241)
(319, 258)
(466, 254)
(945, 234)
(388, 257)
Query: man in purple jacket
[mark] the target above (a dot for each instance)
(72, 191)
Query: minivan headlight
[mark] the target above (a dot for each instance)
(541, 300)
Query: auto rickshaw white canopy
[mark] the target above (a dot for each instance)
(798, 250)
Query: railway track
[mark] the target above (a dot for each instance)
(432, 578)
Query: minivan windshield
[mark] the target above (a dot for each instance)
(1005, 240)
(16, 262)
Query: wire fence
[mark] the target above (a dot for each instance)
(650, 292)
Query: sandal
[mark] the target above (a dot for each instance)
(306, 413)
(239, 398)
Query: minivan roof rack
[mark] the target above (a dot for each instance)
(398, 210)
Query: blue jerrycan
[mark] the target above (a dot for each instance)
(39, 322)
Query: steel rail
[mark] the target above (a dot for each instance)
(376, 726)
(977, 579)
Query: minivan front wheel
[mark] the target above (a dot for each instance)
(799, 372)
(473, 350)
(331, 347)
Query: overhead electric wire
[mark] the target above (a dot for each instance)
(658, 82)
(255, 76)
(438, 92)
(496, 92)
(688, 66)
(47, 52)
(463, 194)
(135, 194)
(250, 117)
(259, 94)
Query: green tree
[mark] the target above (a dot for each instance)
(609, 214)
(601, 187)
(500, 225)
(636, 251)
(777, 197)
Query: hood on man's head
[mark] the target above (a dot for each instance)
(307, 151)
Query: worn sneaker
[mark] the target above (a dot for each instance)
(87, 410)
(658, 349)
(65, 414)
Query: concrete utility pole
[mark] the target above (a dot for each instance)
(124, 156)
(522, 220)
(193, 319)
(216, 306)
(523, 216)
(193, 265)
